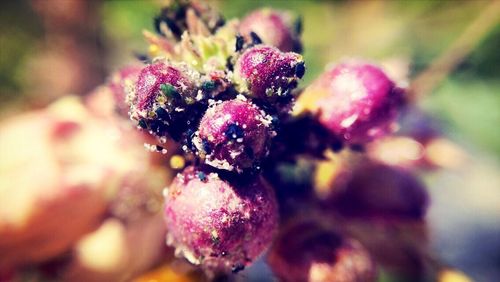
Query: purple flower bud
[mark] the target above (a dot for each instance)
(265, 72)
(118, 84)
(356, 101)
(276, 28)
(162, 98)
(217, 224)
(234, 134)
(164, 80)
(381, 191)
(309, 252)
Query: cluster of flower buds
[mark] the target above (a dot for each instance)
(225, 92)
(219, 91)
(222, 116)
(258, 163)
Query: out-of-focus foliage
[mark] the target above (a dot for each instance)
(469, 100)
(123, 22)
(19, 30)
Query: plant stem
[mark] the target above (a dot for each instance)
(442, 66)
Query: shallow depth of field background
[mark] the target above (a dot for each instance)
(52, 48)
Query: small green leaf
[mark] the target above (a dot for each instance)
(169, 90)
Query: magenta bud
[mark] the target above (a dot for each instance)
(119, 82)
(265, 72)
(309, 252)
(276, 28)
(161, 100)
(356, 101)
(381, 191)
(162, 79)
(219, 225)
(234, 134)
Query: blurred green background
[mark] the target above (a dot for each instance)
(52, 48)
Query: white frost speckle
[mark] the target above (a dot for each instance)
(349, 121)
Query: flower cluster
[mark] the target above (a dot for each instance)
(220, 93)
(313, 175)
(226, 93)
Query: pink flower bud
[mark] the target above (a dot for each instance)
(118, 84)
(276, 28)
(162, 79)
(309, 252)
(382, 191)
(217, 224)
(356, 101)
(266, 73)
(234, 134)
